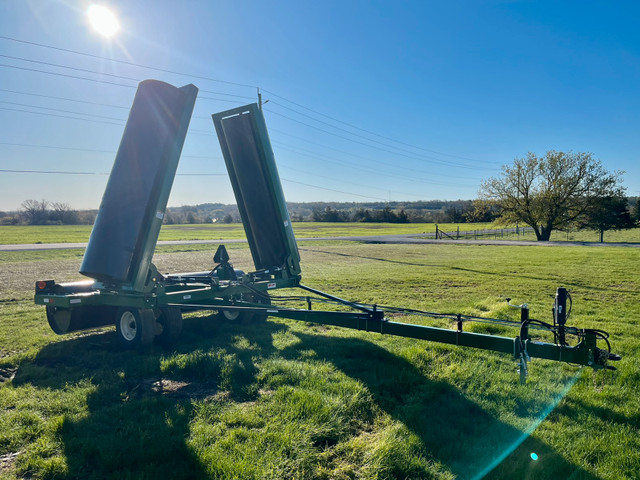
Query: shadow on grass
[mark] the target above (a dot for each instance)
(377, 259)
(137, 426)
(453, 430)
(136, 422)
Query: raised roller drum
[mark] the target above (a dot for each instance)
(126, 229)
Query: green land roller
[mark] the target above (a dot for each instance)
(125, 289)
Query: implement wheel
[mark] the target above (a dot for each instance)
(171, 320)
(59, 319)
(264, 300)
(66, 320)
(135, 327)
(231, 315)
(244, 316)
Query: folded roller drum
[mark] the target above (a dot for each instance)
(247, 152)
(126, 229)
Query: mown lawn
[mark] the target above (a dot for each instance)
(631, 235)
(285, 399)
(16, 234)
(10, 234)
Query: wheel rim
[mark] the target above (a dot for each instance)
(229, 315)
(128, 326)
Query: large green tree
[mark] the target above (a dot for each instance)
(550, 192)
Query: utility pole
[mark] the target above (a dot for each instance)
(260, 102)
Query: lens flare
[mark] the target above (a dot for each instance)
(534, 456)
(103, 20)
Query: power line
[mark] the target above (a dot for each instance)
(53, 172)
(60, 110)
(361, 168)
(61, 172)
(111, 105)
(122, 122)
(124, 62)
(358, 135)
(91, 150)
(32, 145)
(381, 173)
(193, 131)
(85, 70)
(346, 181)
(64, 98)
(364, 130)
(57, 65)
(66, 75)
(332, 190)
(412, 157)
(368, 159)
(60, 116)
(250, 86)
(386, 173)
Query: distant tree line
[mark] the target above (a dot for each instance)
(437, 211)
(602, 213)
(44, 212)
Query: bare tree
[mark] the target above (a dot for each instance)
(35, 212)
(550, 192)
(63, 213)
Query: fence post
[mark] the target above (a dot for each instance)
(458, 233)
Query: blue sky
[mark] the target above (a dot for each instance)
(367, 100)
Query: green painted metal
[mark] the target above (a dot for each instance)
(139, 278)
(584, 353)
(249, 158)
(126, 228)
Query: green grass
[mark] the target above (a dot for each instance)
(631, 235)
(285, 399)
(16, 234)
(10, 234)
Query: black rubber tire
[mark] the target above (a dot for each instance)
(247, 317)
(229, 315)
(135, 327)
(171, 320)
(59, 319)
(264, 300)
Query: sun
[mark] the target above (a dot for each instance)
(103, 20)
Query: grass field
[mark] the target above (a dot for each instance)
(10, 234)
(285, 400)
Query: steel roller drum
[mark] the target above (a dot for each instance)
(126, 229)
(249, 158)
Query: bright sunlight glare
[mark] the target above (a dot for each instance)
(103, 20)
